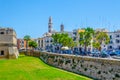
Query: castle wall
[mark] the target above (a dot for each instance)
(97, 68)
(8, 42)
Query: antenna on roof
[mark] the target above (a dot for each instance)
(113, 26)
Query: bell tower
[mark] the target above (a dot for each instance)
(62, 28)
(50, 25)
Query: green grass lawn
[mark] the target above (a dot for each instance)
(31, 68)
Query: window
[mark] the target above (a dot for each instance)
(74, 33)
(110, 36)
(2, 53)
(111, 42)
(117, 41)
(117, 36)
(110, 47)
(47, 41)
(51, 41)
(119, 47)
(74, 38)
(22, 42)
(39, 41)
(1, 32)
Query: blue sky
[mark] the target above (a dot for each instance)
(31, 16)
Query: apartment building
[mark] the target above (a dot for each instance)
(114, 40)
(21, 44)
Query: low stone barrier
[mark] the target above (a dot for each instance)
(31, 53)
(97, 68)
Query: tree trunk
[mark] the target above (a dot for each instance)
(72, 49)
(26, 46)
(85, 48)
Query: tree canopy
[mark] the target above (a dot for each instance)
(63, 39)
(27, 37)
(100, 38)
(32, 44)
(86, 37)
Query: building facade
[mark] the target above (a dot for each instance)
(40, 43)
(46, 42)
(21, 44)
(114, 40)
(8, 43)
(76, 35)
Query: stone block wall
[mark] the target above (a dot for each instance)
(97, 68)
(8, 39)
(5, 49)
(13, 52)
(9, 52)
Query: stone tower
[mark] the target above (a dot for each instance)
(61, 27)
(50, 25)
(8, 43)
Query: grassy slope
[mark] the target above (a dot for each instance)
(30, 68)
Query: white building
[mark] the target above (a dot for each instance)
(114, 40)
(40, 43)
(46, 42)
(47, 39)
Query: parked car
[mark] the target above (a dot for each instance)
(118, 52)
(104, 54)
(114, 53)
(66, 51)
(76, 52)
(95, 53)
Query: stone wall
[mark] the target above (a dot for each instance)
(13, 52)
(8, 39)
(8, 43)
(102, 69)
(9, 52)
(31, 53)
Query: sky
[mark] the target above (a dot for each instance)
(30, 17)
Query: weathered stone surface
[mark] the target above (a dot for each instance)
(103, 69)
(8, 43)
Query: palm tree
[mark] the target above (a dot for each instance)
(99, 39)
(86, 37)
